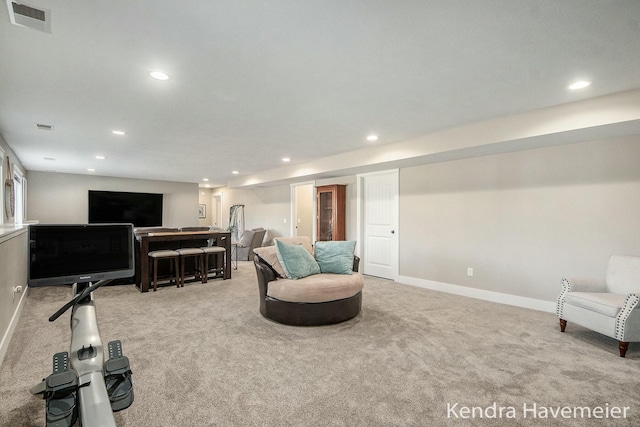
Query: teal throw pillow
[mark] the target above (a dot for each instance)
(335, 257)
(296, 261)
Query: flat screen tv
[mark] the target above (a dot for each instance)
(139, 209)
(65, 254)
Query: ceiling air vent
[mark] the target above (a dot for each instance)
(28, 16)
(44, 127)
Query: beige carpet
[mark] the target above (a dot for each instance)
(203, 356)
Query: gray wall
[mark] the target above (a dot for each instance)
(522, 220)
(13, 261)
(63, 198)
(269, 207)
(265, 207)
(13, 272)
(204, 198)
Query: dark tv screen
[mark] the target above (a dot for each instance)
(76, 253)
(139, 209)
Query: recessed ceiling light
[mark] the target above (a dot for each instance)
(91, 170)
(205, 179)
(235, 172)
(580, 84)
(159, 75)
(286, 159)
(372, 138)
(100, 157)
(117, 132)
(207, 185)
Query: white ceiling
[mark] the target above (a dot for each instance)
(253, 81)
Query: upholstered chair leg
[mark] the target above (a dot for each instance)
(177, 267)
(563, 324)
(155, 274)
(173, 271)
(203, 272)
(182, 271)
(623, 347)
(205, 269)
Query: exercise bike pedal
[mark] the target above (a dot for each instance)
(60, 391)
(117, 377)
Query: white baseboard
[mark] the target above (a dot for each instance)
(6, 339)
(518, 301)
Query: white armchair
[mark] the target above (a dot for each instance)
(610, 308)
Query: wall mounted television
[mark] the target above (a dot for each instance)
(139, 209)
(78, 253)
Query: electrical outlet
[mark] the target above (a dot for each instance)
(470, 272)
(284, 220)
(17, 289)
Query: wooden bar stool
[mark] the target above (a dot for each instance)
(216, 251)
(173, 266)
(190, 252)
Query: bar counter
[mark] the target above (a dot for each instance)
(220, 238)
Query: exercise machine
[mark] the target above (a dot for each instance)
(82, 384)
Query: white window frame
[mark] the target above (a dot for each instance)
(19, 183)
(2, 172)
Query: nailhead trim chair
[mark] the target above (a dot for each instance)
(610, 308)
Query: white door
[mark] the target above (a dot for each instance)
(302, 209)
(216, 205)
(379, 212)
